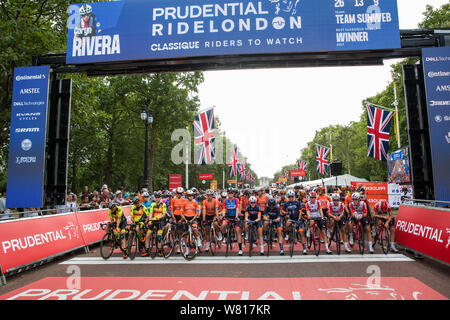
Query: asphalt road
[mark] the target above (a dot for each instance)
(342, 277)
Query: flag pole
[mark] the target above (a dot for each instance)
(396, 114)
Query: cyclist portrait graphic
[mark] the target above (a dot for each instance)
(88, 25)
(288, 6)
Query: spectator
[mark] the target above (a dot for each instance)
(85, 204)
(119, 199)
(71, 202)
(31, 212)
(105, 198)
(63, 208)
(95, 199)
(4, 212)
(86, 191)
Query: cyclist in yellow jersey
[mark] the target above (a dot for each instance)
(158, 214)
(118, 222)
(139, 215)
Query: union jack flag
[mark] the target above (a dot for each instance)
(322, 154)
(242, 170)
(302, 165)
(378, 128)
(249, 176)
(234, 164)
(204, 136)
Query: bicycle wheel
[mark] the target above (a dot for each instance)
(250, 240)
(168, 243)
(107, 245)
(292, 237)
(384, 240)
(316, 240)
(152, 249)
(269, 239)
(337, 231)
(360, 236)
(188, 246)
(309, 240)
(212, 241)
(132, 245)
(229, 246)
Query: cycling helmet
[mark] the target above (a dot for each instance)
(272, 202)
(356, 196)
(252, 199)
(224, 194)
(383, 205)
(174, 190)
(136, 199)
(210, 192)
(85, 9)
(283, 191)
(189, 193)
(290, 193)
(157, 194)
(145, 194)
(194, 190)
(169, 194)
(313, 194)
(335, 197)
(112, 205)
(180, 190)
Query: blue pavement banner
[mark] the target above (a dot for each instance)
(436, 65)
(164, 29)
(27, 137)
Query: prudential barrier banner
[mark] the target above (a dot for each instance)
(161, 29)
(26, 161)
(426, 230)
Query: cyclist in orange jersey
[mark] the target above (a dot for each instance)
(262, 199)
(190, 212)
(210, 212)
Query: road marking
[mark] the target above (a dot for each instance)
(241, 260)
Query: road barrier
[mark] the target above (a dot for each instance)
(425, 230)
(28, 242)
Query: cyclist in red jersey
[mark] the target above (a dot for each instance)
(382, 212)
(359, 212)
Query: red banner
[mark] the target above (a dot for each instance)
(28, 240)
(89, 222)
(219, 288)
(175, 181)
(205, 176)
(426, 230)
(298, 173)
(375, 191)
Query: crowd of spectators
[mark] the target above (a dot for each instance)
(86, 200)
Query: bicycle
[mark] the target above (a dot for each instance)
(271, 234)
(109, 242)
(188, 244)
(314, 238)
(214, 243)
(293, 235)
(252, 234)
(358, 231)
(383, 235)
(136, 241)
(170, 240)
(230, 234)
(335, 235)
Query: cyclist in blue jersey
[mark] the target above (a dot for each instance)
(272, 214)
(231, 210)
(146, 200)
(293, 210)
(253, 215)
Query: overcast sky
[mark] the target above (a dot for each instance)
(271, 114)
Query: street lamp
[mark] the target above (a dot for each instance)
(147, 117)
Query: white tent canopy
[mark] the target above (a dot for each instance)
(342, 180)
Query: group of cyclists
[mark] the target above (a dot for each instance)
(302, 207)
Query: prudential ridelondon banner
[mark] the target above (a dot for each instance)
(26, 160)
(162, 29)
(436, 69)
